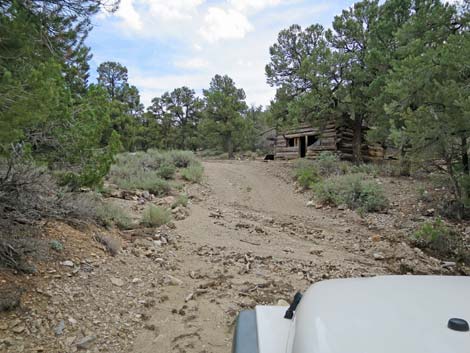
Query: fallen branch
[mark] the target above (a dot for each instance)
(249, 242)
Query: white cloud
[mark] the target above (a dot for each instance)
(224, 24)
(174, 9)
(192, 63)
(190, 41)
(256, 5)
(130, 16)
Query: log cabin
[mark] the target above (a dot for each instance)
(306, 141)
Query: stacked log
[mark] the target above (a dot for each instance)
(331, 138)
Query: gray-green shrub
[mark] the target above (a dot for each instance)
(306, 173)
(155, 216)
(166, 171)
(110, 214)
(145, 181)
(193, 173)
(354, 190)
(181, 159)
(441, 239)
(181, 200)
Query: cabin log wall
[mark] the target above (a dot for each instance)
(332, 138)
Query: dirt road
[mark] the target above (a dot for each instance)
(251, 239)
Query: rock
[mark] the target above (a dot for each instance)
(136, 280)
(18, 329)
(146, 195)
(169, 200)
(86, 342)
(258, 229)
(67, 263)
(72, 321)
(117, 281)
(143, 243)
(116, 194)
(429, 213)
(448, 264)
(314, 251)
(3, 326)
(59, 328)
(173, 281)
(282, 302)
(375, 238)
(310, 203)
(216, 214)
(379, 256)
(318, 206)
(342, 207)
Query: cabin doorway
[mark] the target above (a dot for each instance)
(302, 147)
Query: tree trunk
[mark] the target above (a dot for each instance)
(464, 147)
(230, 146)
(357, 137)
(405, 166)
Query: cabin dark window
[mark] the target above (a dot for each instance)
(290, 142)
(311, 140)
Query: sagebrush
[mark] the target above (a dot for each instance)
(155, 216)
(355, 191)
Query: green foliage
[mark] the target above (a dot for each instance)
(166, 171)
(328, 164)
(56, 245)
(193, 173)
(353, 190)
(442, 239)
(155, 216)
(224, 122)
(365, 168)
(48, 110)
(110, 214)
(181, 200)
(149, 170)
(145, 181)
(306, 173)
(181, 159)
(432, 232)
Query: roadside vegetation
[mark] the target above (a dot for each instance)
(359, 187)
(341, 183)
(155, 216)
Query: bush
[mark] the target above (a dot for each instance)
(328, 164)
(155, 216)
(181, 159)
(193, 173)
(166, 171)
(150, 170)
(365, 168)
(149, 181)
(306, 173)
(441, 239)
(353, 190)
(111, 214)
(181, 200)
(213, 153)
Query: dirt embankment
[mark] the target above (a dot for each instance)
(250, 239)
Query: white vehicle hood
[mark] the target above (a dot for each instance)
(391, 314)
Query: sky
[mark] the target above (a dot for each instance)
(166, 44)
